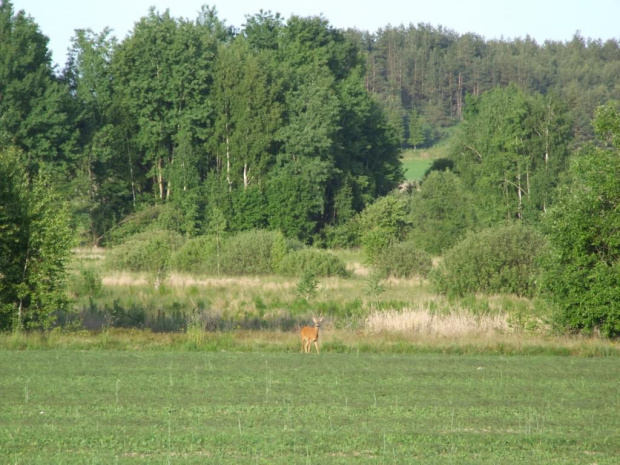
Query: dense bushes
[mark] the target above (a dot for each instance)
(442, 211)
(197, 255)
(403, 260)
(149, 251)
(384, 222)
(317, 262)
(256, 252)
(249, 253)
(503, 259)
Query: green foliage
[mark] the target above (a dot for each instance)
(137, 223)
(418, 129)
(250, 253)
(582, 273)
(148, 252)
(196, 255)
(440, 164)
(307, 285)
(35, 246)
(498, 260)
(86, 282)
(217, 227)
(382, 223)
(179, 106)
(308, 260)
(430, 69)
(510, 152)
(607, 123)
(374, 286)
(403, 260)
(296, 197)
(162, 75)
(279, 250)
(36, 109)
(442, 212)
(342, 236)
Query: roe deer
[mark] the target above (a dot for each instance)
(310, 334)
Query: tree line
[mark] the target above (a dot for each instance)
(271, 125)
(290, 125)
(422, 75)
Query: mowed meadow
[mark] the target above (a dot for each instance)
(404, 376)
(62, 406)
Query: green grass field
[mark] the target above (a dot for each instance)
(415, 168)
(416, 162)
(106, 407)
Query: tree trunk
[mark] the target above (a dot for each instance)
(520, 195)
(131, 176)
(228, 160)
(160, 177)
(459, 99)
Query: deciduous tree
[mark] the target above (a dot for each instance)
(35, 246)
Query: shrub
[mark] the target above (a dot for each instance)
(249, 253)
(317, 262)
(502, 259)
(383, 222)
(148, 251)
(307, 285)
(86, 283)
(137, 223)
(342, 236)
(403, 260)
(442, 211)
(197, 255)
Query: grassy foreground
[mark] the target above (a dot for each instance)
(106, 406)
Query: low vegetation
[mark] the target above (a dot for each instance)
(365, 310)
(281, 408)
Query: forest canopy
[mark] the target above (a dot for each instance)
(280, 124)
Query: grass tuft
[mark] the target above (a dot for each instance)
(424, 322)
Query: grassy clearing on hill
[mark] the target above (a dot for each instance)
(106, 406)
(416, 162)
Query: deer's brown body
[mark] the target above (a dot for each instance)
(310, 334)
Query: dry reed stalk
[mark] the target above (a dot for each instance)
(358, 269)
(336, 283)
(180, 280)
(124, 279)
(91, 253)
(422, 321)
(184, 280)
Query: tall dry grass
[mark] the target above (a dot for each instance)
(422, 321)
